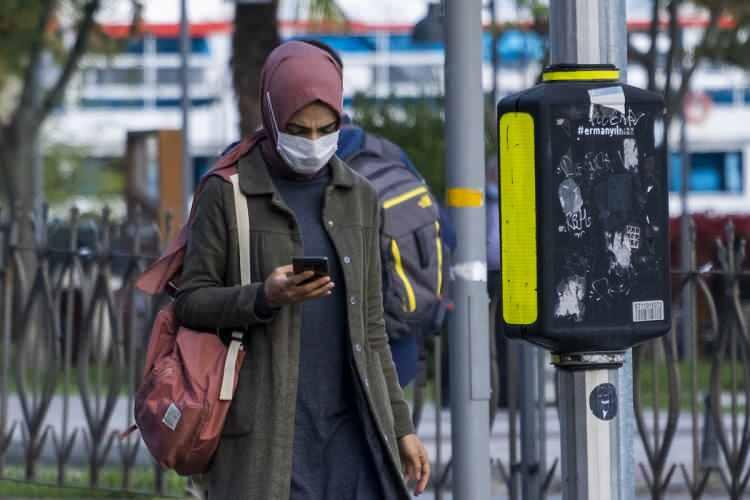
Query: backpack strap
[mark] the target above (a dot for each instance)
(243, 237)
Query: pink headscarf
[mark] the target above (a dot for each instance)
(294, 75)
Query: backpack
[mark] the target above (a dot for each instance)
(414, 258)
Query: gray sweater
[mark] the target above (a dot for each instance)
(333, 459)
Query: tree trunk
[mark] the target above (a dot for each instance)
(17, 199)
(256, 34)
(23, 193)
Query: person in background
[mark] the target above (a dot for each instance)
(318, 413)
(407, 350)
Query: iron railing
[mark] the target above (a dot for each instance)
(72, 340)
(710, 347)
(73, 332)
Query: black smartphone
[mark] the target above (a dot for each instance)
(318, 265)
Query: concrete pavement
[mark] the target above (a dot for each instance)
(680, 453)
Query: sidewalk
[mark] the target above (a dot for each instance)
(681, 451)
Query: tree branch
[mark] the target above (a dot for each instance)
(74, 57)
(31, 75)
(675, 49)
(708, 34)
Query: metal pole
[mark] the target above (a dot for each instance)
(595, 32)
(187, 161)
(531, 472)
(468, 326)
(495, 59)
(685, 247)
(590, 441)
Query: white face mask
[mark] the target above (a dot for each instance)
(304, 156)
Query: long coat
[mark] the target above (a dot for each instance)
(254, 459)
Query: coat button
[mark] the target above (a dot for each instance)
(347, 260)
(353, 300)
(367, 383)
(330, 223)
(357, 347)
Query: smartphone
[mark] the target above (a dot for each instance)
(318, 265)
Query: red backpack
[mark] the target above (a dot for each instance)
(189, 377)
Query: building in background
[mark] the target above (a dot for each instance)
(138, 89)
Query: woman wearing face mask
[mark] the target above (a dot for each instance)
(318, 413)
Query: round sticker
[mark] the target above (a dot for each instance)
(603, 401)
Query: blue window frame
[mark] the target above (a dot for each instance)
(134, 46)
(171, 45)
(721, 96)
(714, 172)
(196, 102)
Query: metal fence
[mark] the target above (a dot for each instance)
(700, 371)
(72, 337)
(73, 333)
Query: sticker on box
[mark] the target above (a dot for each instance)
(649, 310)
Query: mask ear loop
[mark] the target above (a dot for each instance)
(273, 117)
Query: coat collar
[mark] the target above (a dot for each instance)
(255, 179)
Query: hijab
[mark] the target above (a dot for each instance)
(294, 75)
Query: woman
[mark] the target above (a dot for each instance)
(318, 412)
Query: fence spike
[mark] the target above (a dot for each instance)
(550, 475)
(668, 479)
(646, 476)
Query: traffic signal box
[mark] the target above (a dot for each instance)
(583, 211)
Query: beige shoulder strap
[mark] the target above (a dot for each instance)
(243, 229)
(243, 238)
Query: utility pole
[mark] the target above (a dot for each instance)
(187, 161)
(594, 32)
(495, 59)
(688, 303)
(469, 324)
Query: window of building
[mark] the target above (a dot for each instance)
(171, 76)
(171, 45)
(721, 96)
(115, 76)
(116, 104)
(134, 46)
(715, 172)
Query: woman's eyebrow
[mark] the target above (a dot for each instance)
(310, 129)
(301, 127)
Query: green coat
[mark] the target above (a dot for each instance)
(254, 459)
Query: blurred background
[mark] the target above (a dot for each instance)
(101, 89)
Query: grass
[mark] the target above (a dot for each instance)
(99, 382)
(142, 484)
(685, 380)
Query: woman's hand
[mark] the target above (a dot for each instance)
(415, 461)
(283, 287)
